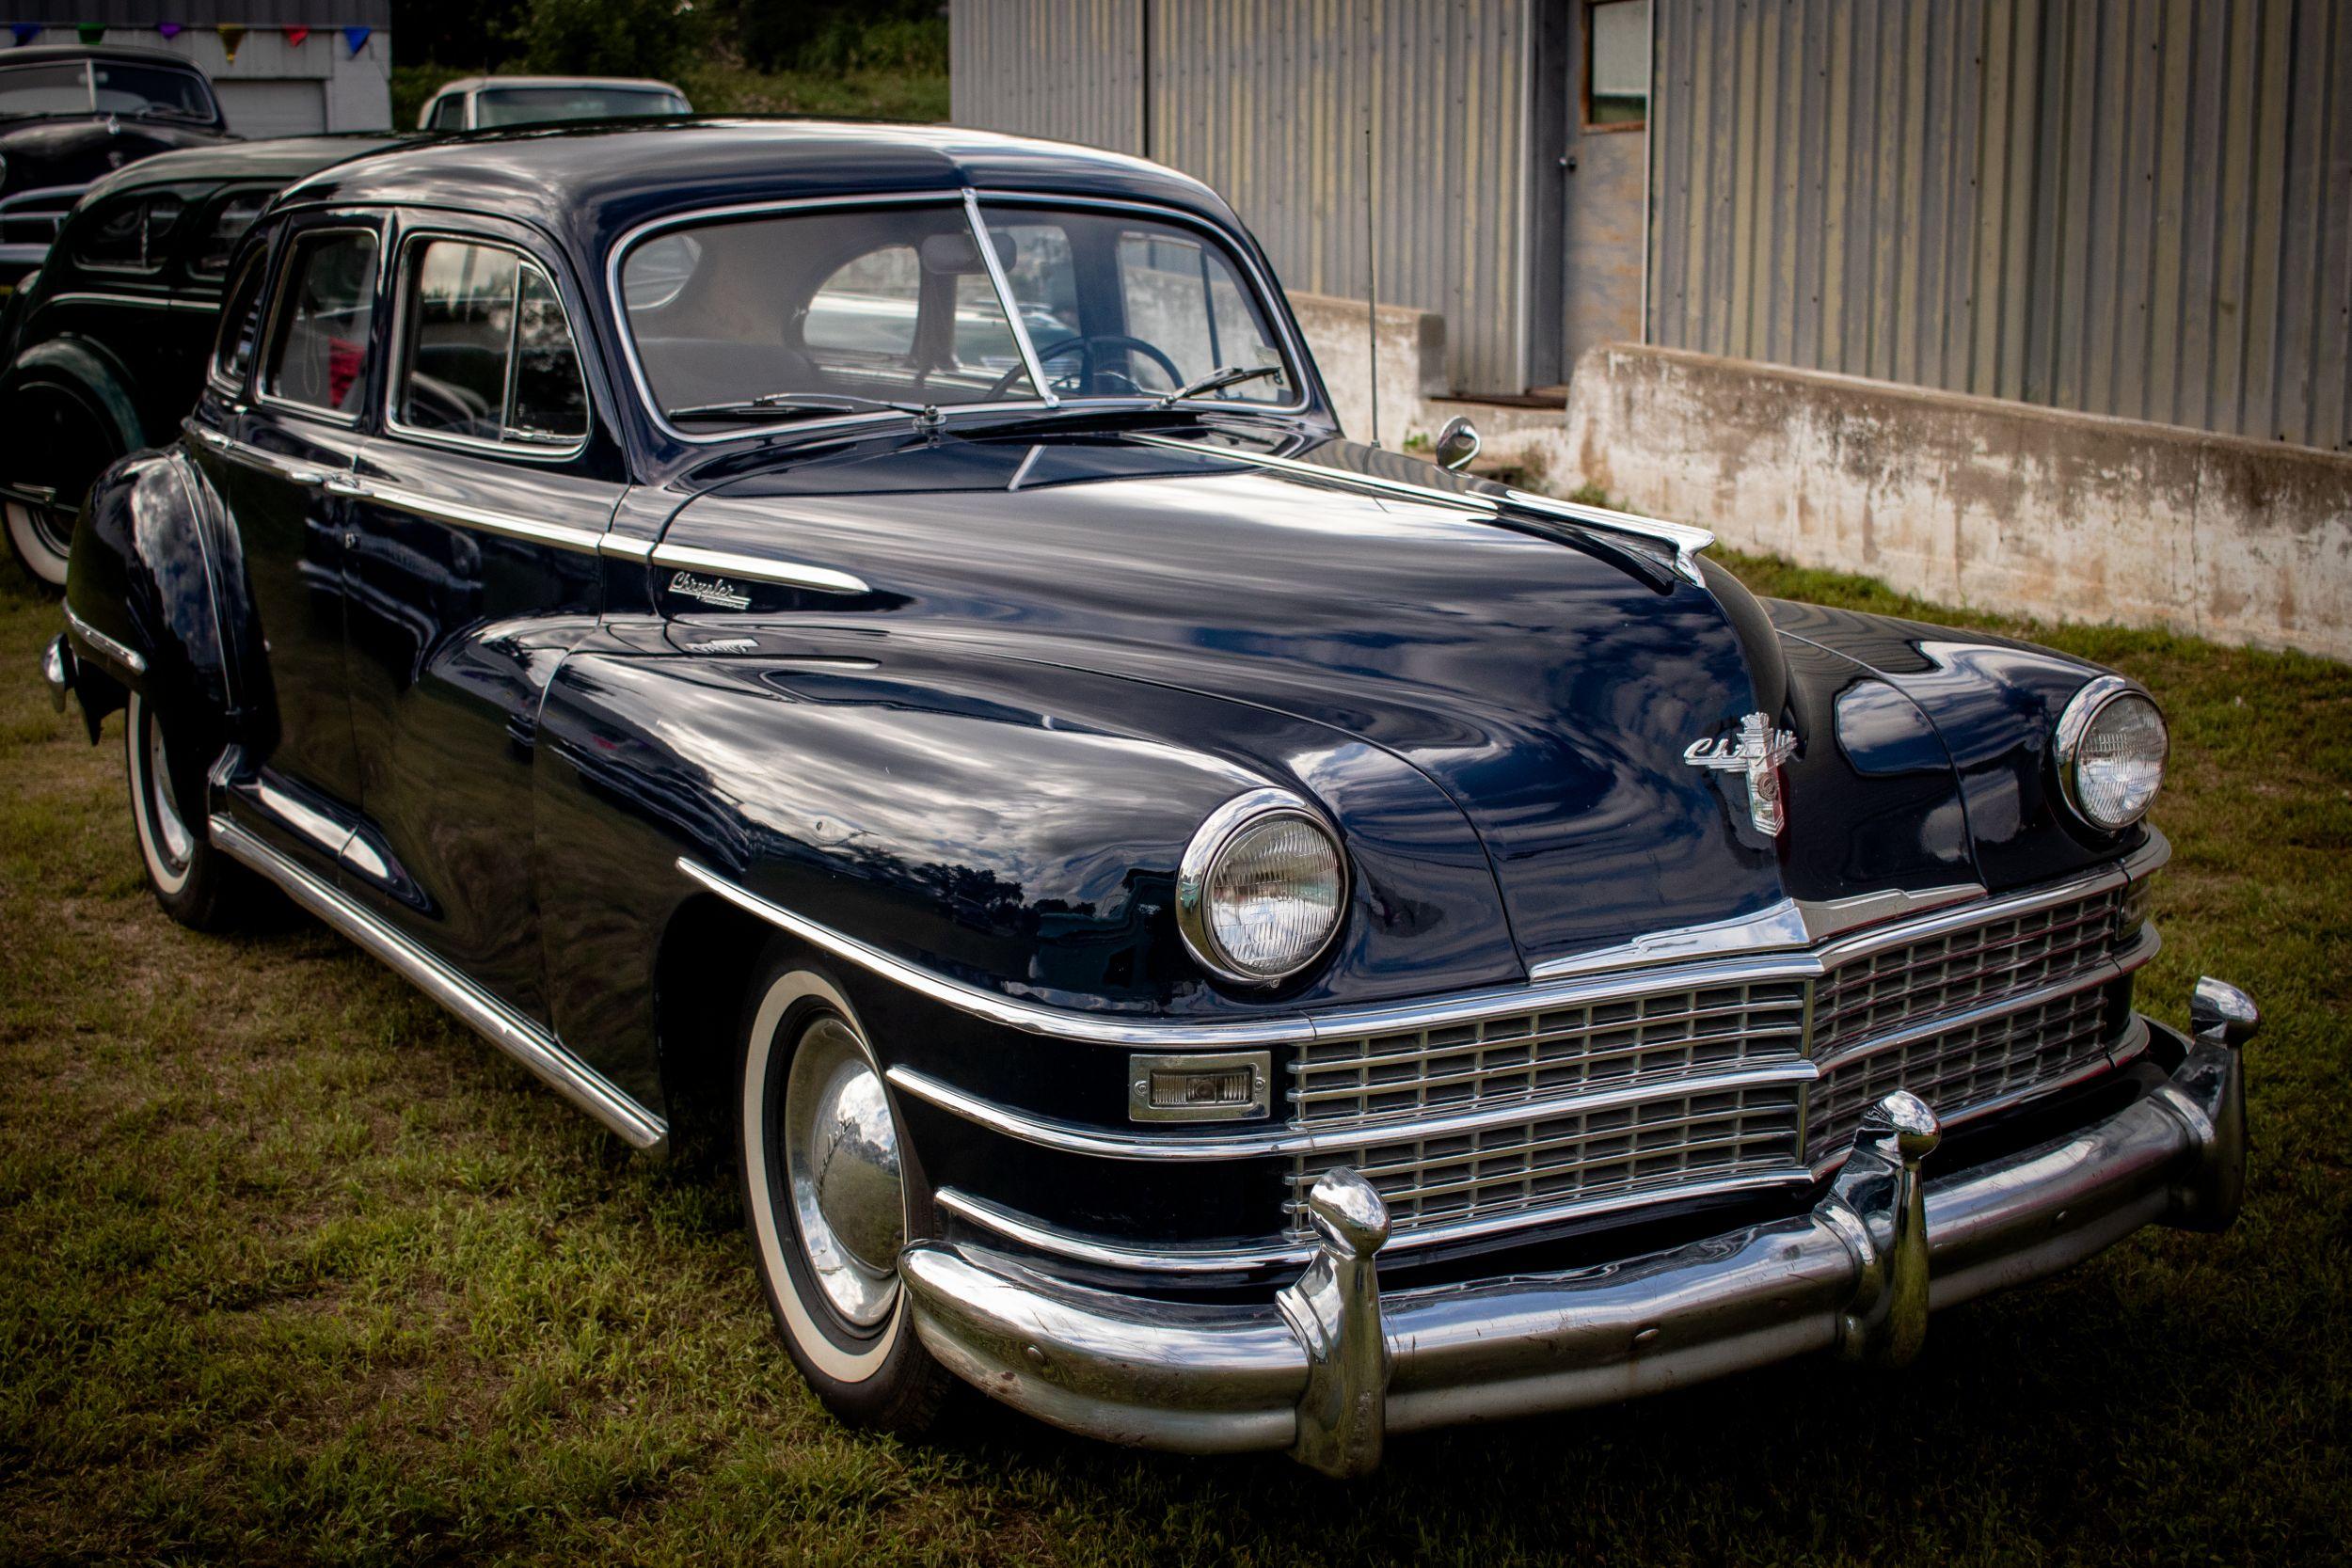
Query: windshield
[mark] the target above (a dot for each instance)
(815, 314)
(149, 92)
(62, 88)
(530, 106)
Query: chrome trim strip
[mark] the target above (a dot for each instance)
(791, 574)
(98, 642)
(1073, 1247)
(1074, 1139)
(1005, 302)
(419, 504)
(502, 1026)
(94, 296)
(1029, 1017)
(2147, 858)
(1683, 540)
(625, 546)
(1789, 923)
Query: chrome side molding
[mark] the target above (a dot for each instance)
(502, 1025)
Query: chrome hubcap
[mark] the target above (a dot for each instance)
(171, 833)
(841, 1160)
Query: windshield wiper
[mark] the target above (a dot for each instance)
(927, 416)
(1216, 381)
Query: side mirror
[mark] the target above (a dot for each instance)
(1458, 443)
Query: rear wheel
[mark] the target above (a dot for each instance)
(60, 440)
(196, 884)
(831, 1193)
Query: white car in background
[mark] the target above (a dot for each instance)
(483, 103)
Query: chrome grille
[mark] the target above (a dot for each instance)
(34, 217)
(1868, 996)
(1578, 1157)
(1617, 1043)
(1955, 1069)
(1613, 1106)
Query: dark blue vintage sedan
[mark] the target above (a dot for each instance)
(1221, 937)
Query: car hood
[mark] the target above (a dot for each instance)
(1550, 677)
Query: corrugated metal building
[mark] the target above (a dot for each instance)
(2131, 207)
(279, 84)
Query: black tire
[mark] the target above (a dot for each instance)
(59, 439)
(194, 882)
(800, 1042)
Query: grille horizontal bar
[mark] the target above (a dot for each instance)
(1615, 1091)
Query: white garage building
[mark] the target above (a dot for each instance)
(276, 86)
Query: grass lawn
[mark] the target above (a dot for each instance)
(293, 1269)
(720, 87)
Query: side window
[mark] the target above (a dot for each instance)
(448, 114)
(240, 323)
(229, 219)
(128, 234)
(867, 306)
(319, 354)
(489, 354)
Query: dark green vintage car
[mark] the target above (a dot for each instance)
(104, 345)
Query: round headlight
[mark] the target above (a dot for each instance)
(1262, 888)
(2111, 746)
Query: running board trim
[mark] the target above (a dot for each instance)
(502, 1025)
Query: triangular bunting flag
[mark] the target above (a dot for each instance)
(295, 37)
(356, 38)
(231, 35)
(25, 31)
(91, 31)
(169, 29)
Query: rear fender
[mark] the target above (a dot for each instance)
(90, 370)
(155, 573)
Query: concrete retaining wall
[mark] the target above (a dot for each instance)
(1412, 363)
(1973, 500)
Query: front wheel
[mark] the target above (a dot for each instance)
(43, 538)
(831, 1193)
(196, 884)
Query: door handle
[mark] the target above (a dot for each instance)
(306, 476)
(213, 438)
(344, 484)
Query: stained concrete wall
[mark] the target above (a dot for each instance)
(1412, 363)
(1974, 501)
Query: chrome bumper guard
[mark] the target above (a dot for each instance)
(58, 671)
(1333, 1365)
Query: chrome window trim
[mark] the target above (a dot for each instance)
(215, 375)
(98, 642)
(1792, 1072)
(1005, 302)
(689, 558)
(532, 1046)
(1271, 298)
(403, 351)
(281, 316)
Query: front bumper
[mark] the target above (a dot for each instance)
(1332, 1365)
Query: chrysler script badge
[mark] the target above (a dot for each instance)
(1758, 751)
(710, 591)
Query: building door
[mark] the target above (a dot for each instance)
(1596, 56)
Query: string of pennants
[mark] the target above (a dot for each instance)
(231, 33)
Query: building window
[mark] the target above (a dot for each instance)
(1617, 65)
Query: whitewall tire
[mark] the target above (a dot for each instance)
(831, 1193)
(41, 536)
(195, 883)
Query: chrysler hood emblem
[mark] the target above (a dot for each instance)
(1758, 751)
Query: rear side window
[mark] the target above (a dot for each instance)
(319, 355)
(240, 324)
(448, 114)
(223, 228)
(130, 233)
(488, 355)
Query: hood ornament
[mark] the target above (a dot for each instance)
(1758, 751)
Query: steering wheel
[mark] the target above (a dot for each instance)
(1086, 344)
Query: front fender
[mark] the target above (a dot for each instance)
(155, 570)
(1012, 825)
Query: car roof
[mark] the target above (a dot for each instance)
(283, 159)
(588, 183)
(630, 84)
(49, 54)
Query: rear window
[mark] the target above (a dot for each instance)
(319, 358)
(130, 233)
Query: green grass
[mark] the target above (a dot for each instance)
(293, 1270)
(721, 86)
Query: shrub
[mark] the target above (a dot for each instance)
(612, 38)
